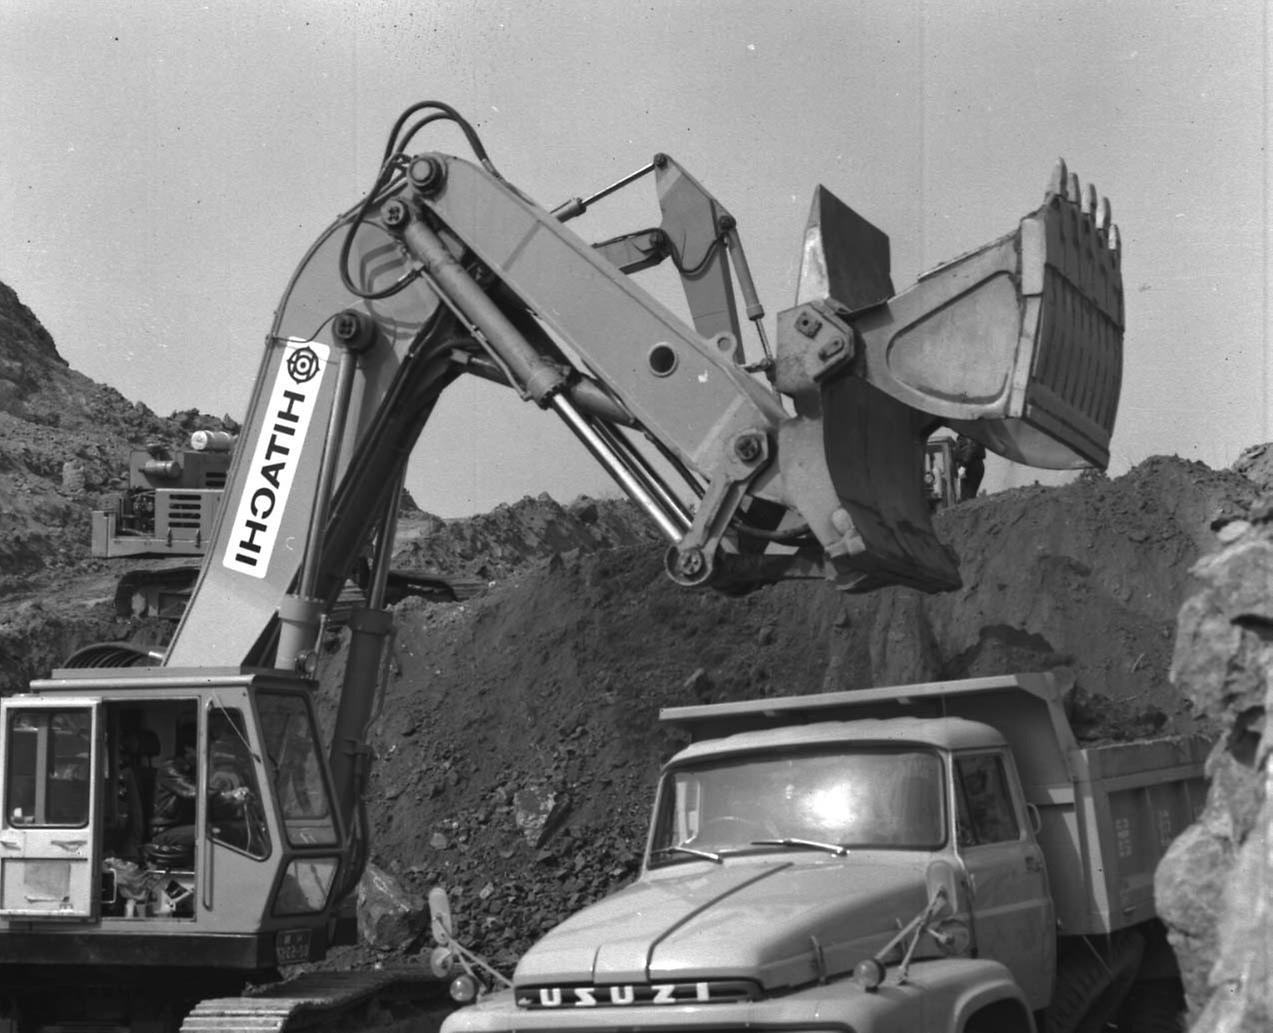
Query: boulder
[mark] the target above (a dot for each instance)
(389, 916)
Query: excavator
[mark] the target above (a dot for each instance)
(803, 458)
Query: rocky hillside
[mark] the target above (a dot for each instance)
(64, 444)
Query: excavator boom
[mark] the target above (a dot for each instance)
(447, 268)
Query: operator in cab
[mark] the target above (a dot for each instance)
(970, 457)
(176, 791)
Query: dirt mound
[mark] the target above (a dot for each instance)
(496, 544)
(542, 695)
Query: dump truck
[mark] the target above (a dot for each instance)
(935, 857)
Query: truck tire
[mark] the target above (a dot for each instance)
(1153, 1006)
(1089, 988)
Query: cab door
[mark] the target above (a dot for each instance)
(1012, 912)
(50, 756)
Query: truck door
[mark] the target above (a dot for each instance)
(49, 854)
(1012, 910)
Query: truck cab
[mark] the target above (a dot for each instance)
(858, 805)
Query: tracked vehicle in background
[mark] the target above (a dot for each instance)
(800, 460)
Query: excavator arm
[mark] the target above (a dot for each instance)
(815, 469)
(446, 268)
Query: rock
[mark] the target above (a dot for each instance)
(74, 477)
(1213, 888)
(1239, 980)
(698, 685)
(389, 916)
(537, 812)
(1256, 464)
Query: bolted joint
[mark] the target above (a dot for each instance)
(426, 174)
(306, 663)
(808, 324)
(688, 567)
(354, 330)
(726, 223)
(660, 160)
(832, 348)
(395, 214)
(750, 447)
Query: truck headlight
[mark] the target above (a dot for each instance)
(868, 974)
(463, 989)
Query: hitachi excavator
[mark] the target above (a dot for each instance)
(172, 829)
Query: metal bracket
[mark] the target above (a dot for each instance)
(692, 561)
(813, 342)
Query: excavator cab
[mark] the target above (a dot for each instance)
(187, 821)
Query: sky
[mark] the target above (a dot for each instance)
(165, 165)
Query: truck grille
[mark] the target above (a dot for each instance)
(712, 991)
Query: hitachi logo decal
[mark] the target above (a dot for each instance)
(263, 500)
(634, 994)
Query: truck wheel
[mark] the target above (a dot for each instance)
(1089, 988)
(1153, 1006)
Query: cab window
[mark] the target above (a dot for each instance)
(49, 769)
(984, 812)
(296, 765)
(235, 815)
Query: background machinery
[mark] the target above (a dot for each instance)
(166, 511)
(803, 460)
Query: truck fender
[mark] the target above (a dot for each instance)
(972, 995)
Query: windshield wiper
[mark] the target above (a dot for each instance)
(812, 844)
(681, 849)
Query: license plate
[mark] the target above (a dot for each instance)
(291, 946)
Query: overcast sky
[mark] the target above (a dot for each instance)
(164, 165)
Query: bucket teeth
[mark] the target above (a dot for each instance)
(1103, 216)
(1065, 185)
(1060, 176)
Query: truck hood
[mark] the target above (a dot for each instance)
(762, 921)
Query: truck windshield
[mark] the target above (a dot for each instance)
(844, 796)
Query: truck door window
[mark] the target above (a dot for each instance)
(49, 767)
(984, 811)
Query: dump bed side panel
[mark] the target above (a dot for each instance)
(1104, 837)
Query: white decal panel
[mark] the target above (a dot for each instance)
(268, 483)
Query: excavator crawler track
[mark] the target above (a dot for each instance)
(325, 1002)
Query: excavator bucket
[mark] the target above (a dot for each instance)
(1017, 345)
(1020, 343)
